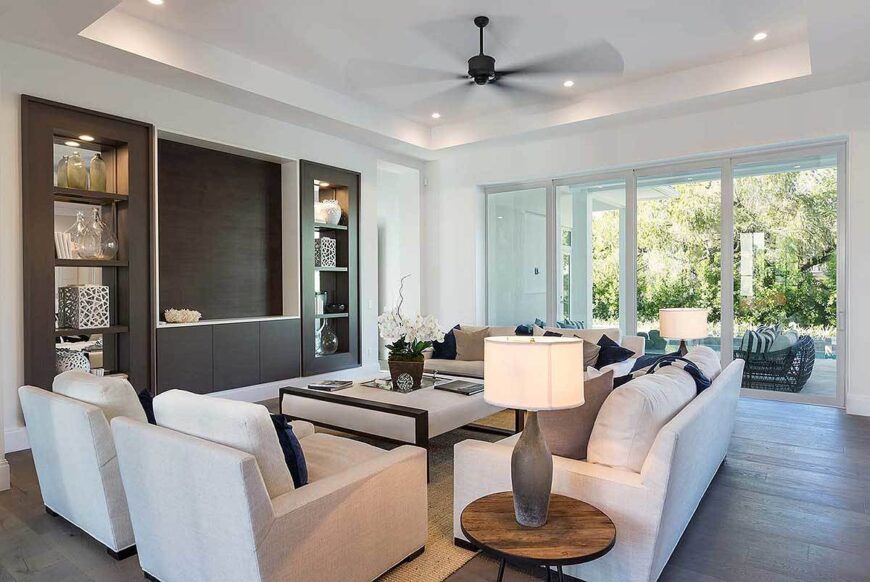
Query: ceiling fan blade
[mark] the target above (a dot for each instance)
(520, 94)
(368, 74)
(449, 100)
(595, 58)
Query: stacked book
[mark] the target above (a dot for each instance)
(63, 246)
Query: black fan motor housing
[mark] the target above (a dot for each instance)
(481, 68)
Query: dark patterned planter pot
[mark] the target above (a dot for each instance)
(406, 376)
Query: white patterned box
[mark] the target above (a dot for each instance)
(324, 252)
(83, 306)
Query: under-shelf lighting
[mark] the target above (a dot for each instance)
(436, 115)
(759, 36)
(324, 184)
(71, 143)
(156, 2)
(86, 137)
(569, 83)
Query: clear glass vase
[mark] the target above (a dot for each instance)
(97, 173)
(108, 242)
(328, 340)
(85, 241)
(76, 173)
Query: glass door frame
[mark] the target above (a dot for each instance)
(837, 148)
(725, 162)
(629, 253)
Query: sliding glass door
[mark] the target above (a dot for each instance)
(679, 258)
(786, 275)
(591, 218)
(516, 255)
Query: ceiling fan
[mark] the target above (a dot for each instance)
(593, 58)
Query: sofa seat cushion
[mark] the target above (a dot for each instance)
(114, 396)
(328, 455)
(241, 425)
(633, 414)
(454, 367)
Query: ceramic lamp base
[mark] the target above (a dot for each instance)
(531, 475)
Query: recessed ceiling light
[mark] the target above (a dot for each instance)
(759, 36)
(86, 137)
(436, 115)
(325, 184)
(71, 143)
(156, 2)
(568, 83)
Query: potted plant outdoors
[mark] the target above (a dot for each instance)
(410, 338)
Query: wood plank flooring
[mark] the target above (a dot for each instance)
(791, 502)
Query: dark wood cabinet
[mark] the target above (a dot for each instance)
(236, 355)
(279, 350)
(185, 359)
(214, 357)
(340, 283)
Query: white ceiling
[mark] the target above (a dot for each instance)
(325, 63)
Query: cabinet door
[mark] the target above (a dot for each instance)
(236, 355)
(185, 359)
(280, 350)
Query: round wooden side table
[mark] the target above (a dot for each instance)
(575, 532)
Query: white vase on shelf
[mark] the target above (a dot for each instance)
(332, 212)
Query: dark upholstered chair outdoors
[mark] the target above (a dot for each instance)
(784, 370)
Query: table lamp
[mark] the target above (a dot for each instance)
(686, 323)
(532, 374)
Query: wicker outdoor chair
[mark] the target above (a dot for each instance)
(783, 370)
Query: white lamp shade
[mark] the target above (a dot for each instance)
(533, 373)
(685, 323)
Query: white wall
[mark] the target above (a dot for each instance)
(453, 204)
(38, 73)
(399, 237)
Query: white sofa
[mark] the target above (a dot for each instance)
(651, 505)
(74, 453)
(474, 369)
(211, 498)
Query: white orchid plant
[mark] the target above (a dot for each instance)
(409, 337)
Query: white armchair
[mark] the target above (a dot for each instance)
(74, 454)
(206, 511)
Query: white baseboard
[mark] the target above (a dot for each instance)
(858, 404)
(5, 479)
(16, 439)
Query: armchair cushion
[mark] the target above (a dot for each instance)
(241, 425)
(328, 455)
(293, 455)
(114, 396)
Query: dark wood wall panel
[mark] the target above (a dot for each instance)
(279, 350)
(219, 231)
(236, 355)
(185, 359)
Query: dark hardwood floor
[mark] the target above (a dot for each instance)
(791, 502)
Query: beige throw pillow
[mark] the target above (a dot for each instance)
(567, 432)
(469, 344)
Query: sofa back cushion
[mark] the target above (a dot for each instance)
(469, 344)
(114, 396)
(567, 431)
(707, 360)
(633, 414)
(588, 335)
(241, 425)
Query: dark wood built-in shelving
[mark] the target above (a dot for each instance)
(127, 148)
(89, 263)
(92, 331)
(87, 196)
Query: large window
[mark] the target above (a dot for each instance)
(756, 239)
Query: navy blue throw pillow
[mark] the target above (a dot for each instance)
(446, 350)
(293, 455)
(552, 334)
(524, 329)
(611, 352)
(147, 402)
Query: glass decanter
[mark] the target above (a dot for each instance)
(108, 242)
(76, 174)
(97, 173)
(85, 242)
(328, 340)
